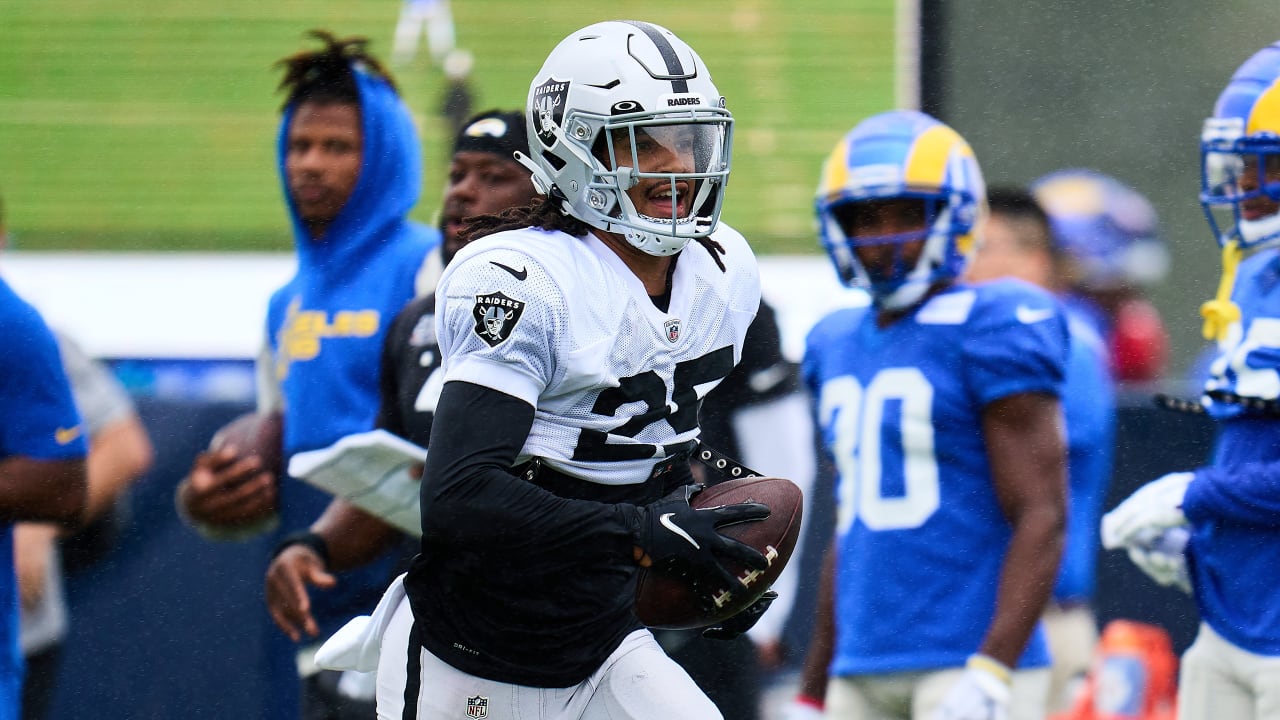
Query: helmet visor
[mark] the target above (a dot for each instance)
(669, 167)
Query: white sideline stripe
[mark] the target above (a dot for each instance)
(208, 305)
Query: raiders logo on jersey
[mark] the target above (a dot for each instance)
(496, 316)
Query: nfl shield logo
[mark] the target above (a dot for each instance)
(673, 329)
(477, 707)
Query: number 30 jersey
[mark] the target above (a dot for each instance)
(920, 536)
(563, 324)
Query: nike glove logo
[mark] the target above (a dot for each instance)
(670, 524)
(520, 274)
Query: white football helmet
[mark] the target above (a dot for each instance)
(623, 93)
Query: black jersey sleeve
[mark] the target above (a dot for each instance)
(471, 499)
(762, 375)
(389, 418)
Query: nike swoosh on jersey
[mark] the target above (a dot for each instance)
(62, 436)
(670, 524)
(1030, 316)
(520, 274)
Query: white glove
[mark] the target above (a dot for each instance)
(1162, 557)
(982, 693)
(1154, 508)
(801, 710)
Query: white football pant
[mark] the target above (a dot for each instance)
(915, 695)
(1218, 680)
(637, 682)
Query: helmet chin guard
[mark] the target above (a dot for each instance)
(627, 130)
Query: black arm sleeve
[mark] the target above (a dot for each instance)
(471, 499)
(389, 418)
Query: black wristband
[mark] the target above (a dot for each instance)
(304, 537)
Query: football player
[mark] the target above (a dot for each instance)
(1111, 234)
(1231, 507)
(351, 167)
(939, 405)
(1018, 241)
(578, 336)
(483, 178)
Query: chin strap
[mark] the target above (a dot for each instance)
(539, 177)
(1219, 313)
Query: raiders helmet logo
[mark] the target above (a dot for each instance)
(496, 317)
(477, 707)
(548, 109)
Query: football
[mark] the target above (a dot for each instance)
(255, 433)
(670, 602)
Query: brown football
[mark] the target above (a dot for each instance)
(668, 602)
(254, 433)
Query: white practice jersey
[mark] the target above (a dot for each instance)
(563, 324)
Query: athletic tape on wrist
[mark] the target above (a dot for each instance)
(990, 666)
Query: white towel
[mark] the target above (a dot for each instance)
(357, 644)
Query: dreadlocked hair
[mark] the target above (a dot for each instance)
(545, 212)
(325, 75)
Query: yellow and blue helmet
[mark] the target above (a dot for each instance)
(902, 154)
(1242, 136)
(1108, 228)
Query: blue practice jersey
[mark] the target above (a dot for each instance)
(38, 419)
(1089, 407)
(1234, 504)
(920, 534)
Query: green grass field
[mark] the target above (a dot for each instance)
(150, 124)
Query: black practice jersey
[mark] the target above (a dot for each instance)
(410, 381)
(763, 375)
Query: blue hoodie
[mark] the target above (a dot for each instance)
(326, 325)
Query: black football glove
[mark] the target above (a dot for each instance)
(682, 541)
(733, 627)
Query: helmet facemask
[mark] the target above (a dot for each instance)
(900, 281)
(678, 165)
(1240, 184)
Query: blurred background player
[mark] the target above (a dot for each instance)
(42, 460)
(351, 166)
(119, 453)
(483, 178)
(939, 405)
(1110, 231)
(1231, 507)
(418, 18)
(578, 335)
(1018, 242)
(434, 20)
(760, 417)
